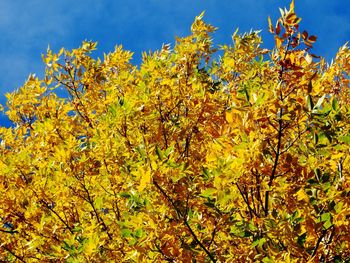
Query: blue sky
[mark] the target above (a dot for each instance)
(27, 27)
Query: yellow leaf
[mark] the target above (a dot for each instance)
(308, 58)
(145, 179)
(91, 246)
(337, 156)
(301, 195)
(291, 7)
(229, 116)
(270, 24)
(278, 41)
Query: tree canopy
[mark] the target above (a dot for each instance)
(190, 157)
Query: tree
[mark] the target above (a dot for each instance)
(188, 157)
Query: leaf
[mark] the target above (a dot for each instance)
(304, 35)
(144, 180)
(138, 233)
(278, 42)
(327, 224)
(126, 232)
(159, 153)
(291, 6)
(308, 58)
(325, 217)
(291, 19)
(259, 242)
(271, 29)
(335, 104)
(310, 104)
(302, 196)
(267, 260)
(99, 202)
(281, 11)
(345, 139)
(320, 101)
(200, 17)
(308, 44)
(312, 39)
(302, 239)
(278, 28)
(229, 116)
(309, 87)
(207, 193)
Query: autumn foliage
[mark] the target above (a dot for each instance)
(189, 157)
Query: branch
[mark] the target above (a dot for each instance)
(212, 236)
(13, 254)
(167, 258)
(183, 216)
(246, 201)
(273, 173)
(318, 242)
(9, 231)
(48, 206)
(70, 89)
(99, 219)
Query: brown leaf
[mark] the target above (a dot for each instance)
(304, 35)
(312, 39)
(278, 28)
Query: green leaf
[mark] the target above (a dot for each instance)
(302, 239)
(255, 243)
(207, 193)
(252, 227)
(315, 136)
(267, 260)
(335, 104)
(126, 232)
(345, 139)
(125, 195)
(206, 173)
(169, 151)
(310, 104)
(338, 207)
(327, 225)
(262, 241)
(159, 153)
(98, 202)
(325, 217)
(138, 233)
(259, 242)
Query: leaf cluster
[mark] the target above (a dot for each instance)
(191, 157)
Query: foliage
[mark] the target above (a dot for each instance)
(186, 158)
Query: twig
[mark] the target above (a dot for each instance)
(183, 216)
(13, 254)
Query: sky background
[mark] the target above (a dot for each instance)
(27, 27)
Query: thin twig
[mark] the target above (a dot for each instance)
(183, 216)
